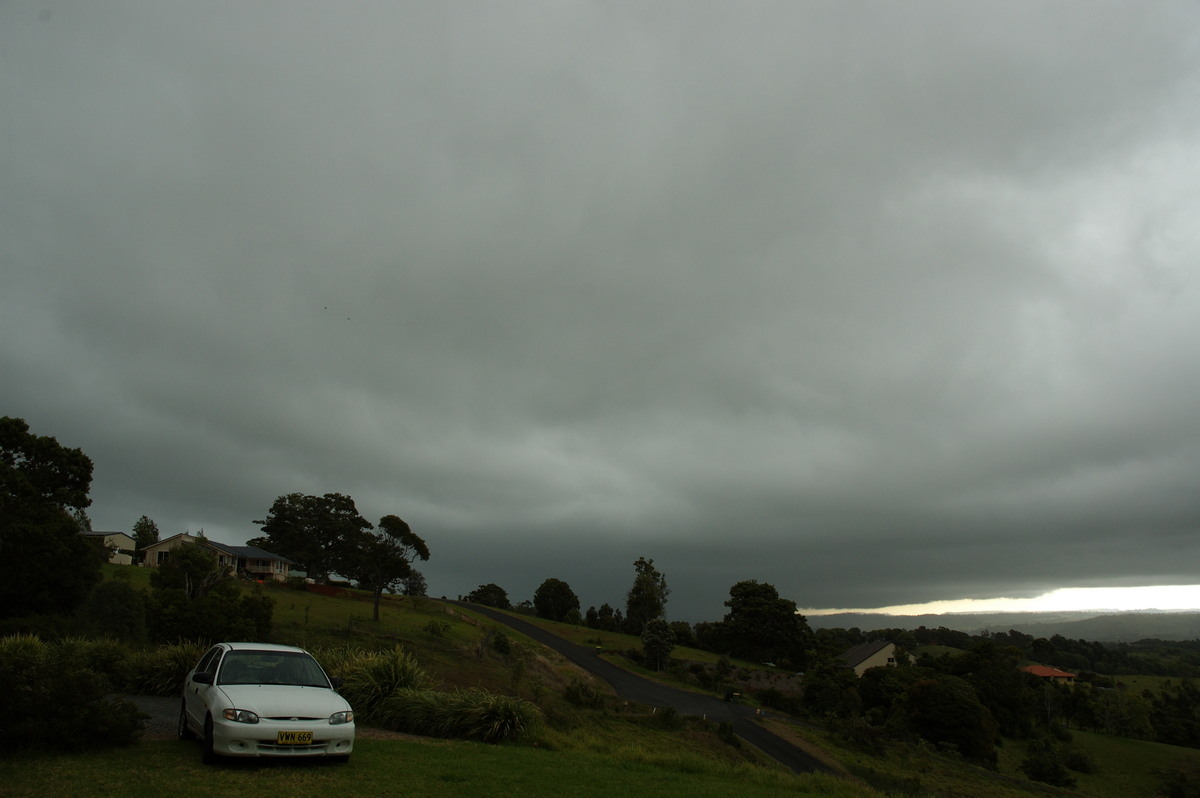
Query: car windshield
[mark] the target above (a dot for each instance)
(271, 667)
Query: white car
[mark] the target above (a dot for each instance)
(260, 699)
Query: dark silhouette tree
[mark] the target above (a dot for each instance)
(384, 560)
(647, 598)
(762, 627)
(414, 584)
(946, 710)
(555, 601)
(145, 533)
(315, 531)
(46, 566)
(658, 640)
(490, 595)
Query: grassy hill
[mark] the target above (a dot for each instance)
(600, 747)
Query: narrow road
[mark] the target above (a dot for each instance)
(634, 688)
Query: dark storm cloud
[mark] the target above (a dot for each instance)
(877, 303)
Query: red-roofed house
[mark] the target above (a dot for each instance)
(1046, 672)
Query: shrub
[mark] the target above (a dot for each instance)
(1044, 762)
(115, 608)
(1081, 761)
(160, 671)
(770, 698)
(468, 714)
(371, 678)
(104, 655)
(583, 694)
(54, 700)
(437, 628)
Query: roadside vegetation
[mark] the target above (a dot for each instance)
(957, 716)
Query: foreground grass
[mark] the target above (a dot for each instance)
(416, 769)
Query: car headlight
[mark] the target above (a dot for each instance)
(240, 715)
(341, 717)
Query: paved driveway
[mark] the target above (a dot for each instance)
(634, 688)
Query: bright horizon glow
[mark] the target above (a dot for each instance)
(1120, 599)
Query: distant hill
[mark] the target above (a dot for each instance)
(1122, 627)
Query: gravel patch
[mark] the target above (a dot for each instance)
(162, 722)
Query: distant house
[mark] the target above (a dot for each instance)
(253, 562)
(120, 545)
(879, 653)
(1050, 674)
(248, 561)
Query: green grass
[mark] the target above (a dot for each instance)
(578, 752)
(392, 767)
(1130, 767)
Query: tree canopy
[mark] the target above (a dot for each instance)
(318, 532)
(647, 598)
(490, 595)
(145, 533)
(384, 560)
(555, 601)
(762, 627)
(43, 490)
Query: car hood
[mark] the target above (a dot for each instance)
(285, 701)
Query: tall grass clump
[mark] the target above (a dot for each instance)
(103, 655)
(372, 677)
(464, 714)
(161, 670)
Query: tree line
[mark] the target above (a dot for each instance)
(51, 574)
(966, 700)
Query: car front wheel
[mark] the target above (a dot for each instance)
(185, 732)
(210, 755)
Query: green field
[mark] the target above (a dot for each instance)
(580, 751)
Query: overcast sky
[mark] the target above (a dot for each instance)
(881, 303)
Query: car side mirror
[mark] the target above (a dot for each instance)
(202, 678)
(337, 682)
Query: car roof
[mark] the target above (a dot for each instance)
(261, 647)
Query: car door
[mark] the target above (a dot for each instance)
(195, 694)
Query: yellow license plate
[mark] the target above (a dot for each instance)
(294, 738)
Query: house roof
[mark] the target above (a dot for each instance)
(94, 534)
(1046, 672)
(863, 651)
(249, 552)
(246, 552)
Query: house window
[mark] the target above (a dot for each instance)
(163, 556)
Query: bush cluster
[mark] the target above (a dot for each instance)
(391, 689)
(473, 714)
(57, 700)
(372, 677)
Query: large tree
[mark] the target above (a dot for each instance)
(145, 533)
(490, 595)
(647, 598)
(45, 564)
(555, 601)
(763, 627)
(318, 532)
(658, 640)
(384, 560)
